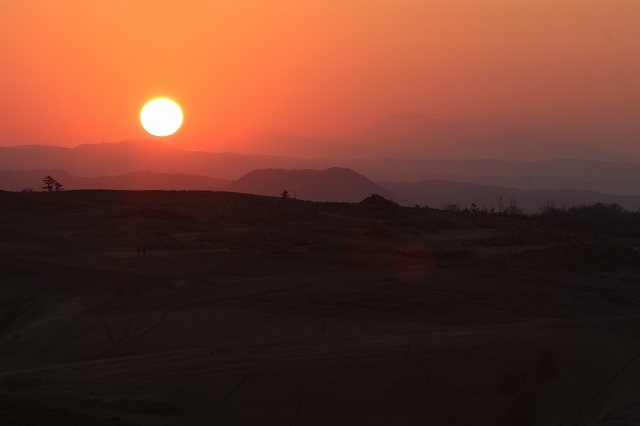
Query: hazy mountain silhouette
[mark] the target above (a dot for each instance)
(416, 136)
(587, 170)
(399, 136)
(283, 144)
(623, 188)
(334, 184)
(17, 180)
(121, 157)
(403, 136)
(520, 146)
(395, 137)
(116, 158)
(434, 193)
(413, 136)
(620, 178)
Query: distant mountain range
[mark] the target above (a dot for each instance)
(113, 159)
(613, 177)
(334, 184)
(407, 139)
(402, 149)
(414, 136)
(435, 193)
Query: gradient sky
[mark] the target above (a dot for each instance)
(77, 71)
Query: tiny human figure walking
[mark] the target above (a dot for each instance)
(144, 252)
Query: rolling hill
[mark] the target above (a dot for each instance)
(334, 184)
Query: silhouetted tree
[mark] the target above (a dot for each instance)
(474, 208)
(285, 194)
(50, 184)
(513, 208)
(500, 202)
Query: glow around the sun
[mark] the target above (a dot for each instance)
(161, 117)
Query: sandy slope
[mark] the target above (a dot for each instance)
(251, 310)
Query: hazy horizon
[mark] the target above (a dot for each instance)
(400, 136)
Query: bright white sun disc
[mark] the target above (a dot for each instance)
(161, 117)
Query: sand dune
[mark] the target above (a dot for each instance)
(257, 310)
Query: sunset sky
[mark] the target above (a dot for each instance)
(77, 71)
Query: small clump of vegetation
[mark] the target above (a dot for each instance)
(599, 212)
(504, 208)
(510, 209)
(451, 207)
(611, 219)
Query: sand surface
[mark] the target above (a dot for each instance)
(250, 310)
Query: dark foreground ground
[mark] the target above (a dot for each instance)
(250, 310)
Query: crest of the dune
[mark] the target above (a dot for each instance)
(378, 202)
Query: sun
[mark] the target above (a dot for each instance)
(161, 117)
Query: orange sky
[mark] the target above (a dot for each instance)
(77, 71)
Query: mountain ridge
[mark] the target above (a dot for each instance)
(335, 184)
(113, 159)
(331, 185)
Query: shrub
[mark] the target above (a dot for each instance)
(451, 207)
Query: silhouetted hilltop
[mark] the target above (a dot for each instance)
(334, 184)
(378, 202)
